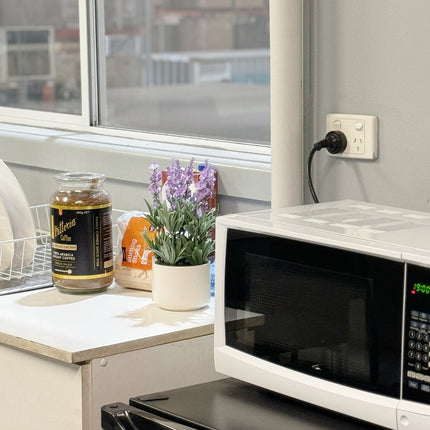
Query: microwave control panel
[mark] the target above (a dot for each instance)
(416, 371)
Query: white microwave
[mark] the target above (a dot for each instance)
(329, 304)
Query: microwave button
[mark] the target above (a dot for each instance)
(425, 387)
(418, 346)
(425, 358)
(419, 336)
(415, 314)
(419, 376)
(413, 384)
(426, 347)
(414, 324)
(424, 316)
(426, 378)
(426, 338)
(418, 367)
(423, 326)
(412, 334)
(412, 374)
(418, 356)
(411, 354)
(411, 344)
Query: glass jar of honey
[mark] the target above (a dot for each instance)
(81, 233)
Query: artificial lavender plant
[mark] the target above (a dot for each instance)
(181, 221)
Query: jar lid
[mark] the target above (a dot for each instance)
(87, 177)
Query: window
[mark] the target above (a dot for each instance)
(196, 68)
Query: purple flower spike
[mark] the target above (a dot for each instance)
(205, 186)
(178, 182)
(188, 178)
(154, 183)
(173, 181)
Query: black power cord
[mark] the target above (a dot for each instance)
(335, 142)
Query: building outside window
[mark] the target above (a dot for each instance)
(40, 55)
(197, 68)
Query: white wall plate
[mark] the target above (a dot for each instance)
(361, 132)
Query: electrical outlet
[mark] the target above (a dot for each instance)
(361, 132)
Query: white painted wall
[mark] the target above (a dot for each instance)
(372, 57)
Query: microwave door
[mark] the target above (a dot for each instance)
(329, 313)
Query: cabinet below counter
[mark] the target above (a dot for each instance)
(63, 356)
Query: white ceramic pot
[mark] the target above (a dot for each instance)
(181, 288)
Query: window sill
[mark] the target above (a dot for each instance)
(242, 174)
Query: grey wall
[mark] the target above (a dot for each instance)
(372, 57)
(39, 184)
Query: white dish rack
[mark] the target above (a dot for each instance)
(37, 274)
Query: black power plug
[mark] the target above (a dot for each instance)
(335, 142)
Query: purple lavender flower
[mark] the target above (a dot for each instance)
(205, 186)
(188, 178)
(178, 183)
(154, 183)
(173, 180)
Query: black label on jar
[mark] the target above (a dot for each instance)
(81, 241)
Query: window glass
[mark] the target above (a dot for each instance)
(187, 67)
(40, 55)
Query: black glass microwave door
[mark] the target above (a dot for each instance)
(328, 313)
(316, 321)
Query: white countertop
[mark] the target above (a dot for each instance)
(78, 328)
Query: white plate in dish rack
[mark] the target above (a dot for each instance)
(20, 217)
(6, 236)
(37, 272)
